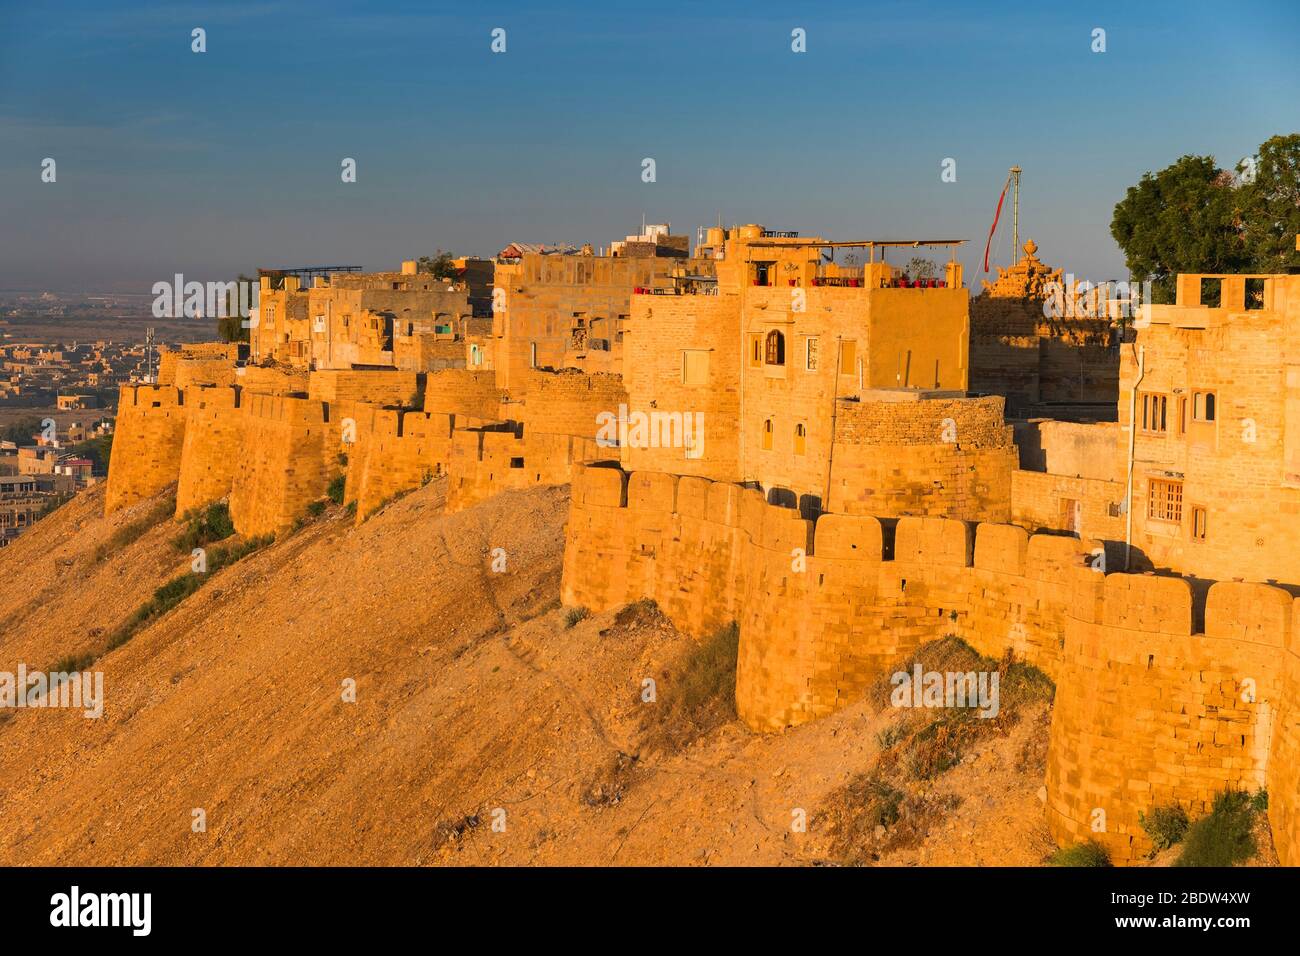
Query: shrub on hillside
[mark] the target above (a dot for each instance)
(182, 586)
(1165, 826)
(929, 741)
(872, 814)
(335, 489)
(205, 525)
(72, 663)
(1224, 837)
(1090, 853)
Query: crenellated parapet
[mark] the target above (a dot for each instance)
(1168, 691)
(273, 442)
(214, 439)
(393, 450)
(488, 459)
(1155, 707)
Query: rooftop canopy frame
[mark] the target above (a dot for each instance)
(870, 244)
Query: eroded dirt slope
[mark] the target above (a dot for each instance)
(472, 696)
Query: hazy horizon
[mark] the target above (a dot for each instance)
(211, 164)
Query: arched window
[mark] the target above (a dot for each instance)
(775, 348)
(800, 438)
(767, 435)
(1203, 406)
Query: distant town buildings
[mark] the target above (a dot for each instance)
(72, 376)
(42, 470)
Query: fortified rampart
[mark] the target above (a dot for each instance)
(206, 371)
(567, 402)
(273, 443)
(379, 386)
(198, 363)
(462, 391)
(1153, 705)
(950, 457)
(1284, 767)
(272, 380)
(214, 437)
(149, 433)
(488, 460)
(395, 450)
(285, 461)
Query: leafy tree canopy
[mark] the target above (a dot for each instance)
(439, 265)
(1193, 216)
(230, 327)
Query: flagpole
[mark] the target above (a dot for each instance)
(1015, 216)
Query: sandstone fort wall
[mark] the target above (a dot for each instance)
(214, 435)
(488, 460)
(940, 457)
(149, 434)
(1166, 693)
(463, 392)
(283, 462)
(567, 403)
(395, 451)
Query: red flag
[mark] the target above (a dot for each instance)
(996, 215)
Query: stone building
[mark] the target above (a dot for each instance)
(1061, 362)
(1210, 411)
(1207, 444)
(560, 308)
(790, 350)
(405, 320)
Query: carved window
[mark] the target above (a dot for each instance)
(775, 348)
(767, 435)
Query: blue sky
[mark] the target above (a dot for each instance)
(210, 164)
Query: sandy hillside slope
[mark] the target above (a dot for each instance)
(475, 703)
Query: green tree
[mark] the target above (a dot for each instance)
(439, 265)
(230, 327)
(98, 450)
(1185, 218)
(1271, 204)
(21, 433)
